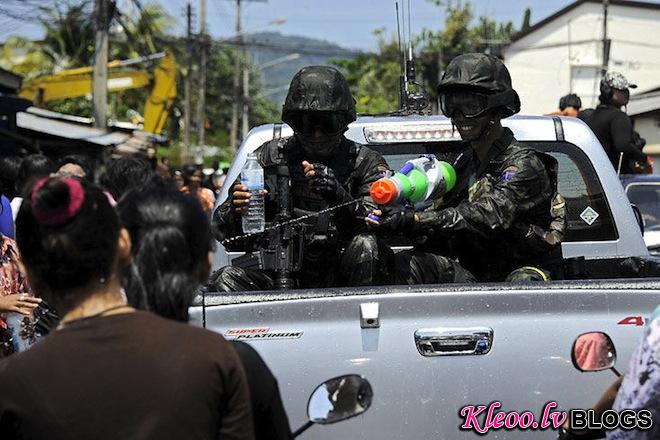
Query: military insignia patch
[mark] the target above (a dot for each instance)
(508, 173)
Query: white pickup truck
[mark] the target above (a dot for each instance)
(430, 350)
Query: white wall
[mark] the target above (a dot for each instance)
(544, 66)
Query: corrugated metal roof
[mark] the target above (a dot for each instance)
(68, 130)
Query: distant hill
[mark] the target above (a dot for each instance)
(264, 47)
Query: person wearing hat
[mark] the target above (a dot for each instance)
(504, 219)
(614, 128)
(324, 169)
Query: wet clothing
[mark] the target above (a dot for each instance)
(614, 131)
(130, 376)
(504, 214)
(270, 419)
(332, 240)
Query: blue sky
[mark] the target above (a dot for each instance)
(346, 22)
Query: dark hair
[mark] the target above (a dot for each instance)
(79, 160)
(78, 250)
(9, 166)
(189, 171)
(170, 235)
(33, 168)
(127, 173)
(570, 100)
(606, 93)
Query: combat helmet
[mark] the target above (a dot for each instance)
(483, 74)
(319, 89)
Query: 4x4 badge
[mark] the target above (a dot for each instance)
(589, 215)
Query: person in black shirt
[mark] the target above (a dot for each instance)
(159, 218)
(613, 127)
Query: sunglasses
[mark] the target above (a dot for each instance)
(307, 124)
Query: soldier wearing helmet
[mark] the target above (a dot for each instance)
(504, 219)
(326, 169)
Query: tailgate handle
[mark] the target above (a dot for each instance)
(454, 341)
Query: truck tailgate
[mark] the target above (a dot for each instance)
(309, 340)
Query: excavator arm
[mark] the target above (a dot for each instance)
(78, 82)
(160, 100)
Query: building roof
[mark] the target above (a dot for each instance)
(540, 24)
(640, 104)
(56, 124)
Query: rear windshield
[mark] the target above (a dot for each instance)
(577, 182)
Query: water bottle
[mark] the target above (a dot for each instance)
(252, 177)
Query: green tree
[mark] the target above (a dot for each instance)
(527, 18)
(24, 57)
(374, 77)
(69, 40)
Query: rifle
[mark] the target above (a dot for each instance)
(281, 249)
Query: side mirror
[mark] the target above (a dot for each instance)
(339, 399)
(593, 351)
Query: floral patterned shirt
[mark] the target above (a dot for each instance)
(12, 280)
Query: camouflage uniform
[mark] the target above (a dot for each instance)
(505, 221)
(338, 250)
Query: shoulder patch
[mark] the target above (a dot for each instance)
(509, 173)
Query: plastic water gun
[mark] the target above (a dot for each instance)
(418, 180)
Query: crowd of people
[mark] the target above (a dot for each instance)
(116, 265)
(611, 125)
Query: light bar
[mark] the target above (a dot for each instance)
(410, 133)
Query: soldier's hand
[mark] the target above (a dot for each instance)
(394, 219)
(240, 197)
(321, 179)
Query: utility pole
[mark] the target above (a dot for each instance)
(237, 79)
(189, 69)
(100, 78)
(201, 102)
(246, 98)
(607, 43)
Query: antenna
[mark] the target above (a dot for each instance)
(398, 28)
(410, 102)
(402, 76)
(409, 26)
(410, 63)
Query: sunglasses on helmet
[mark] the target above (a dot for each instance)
(308, 123)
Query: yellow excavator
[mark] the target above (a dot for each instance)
(78, 82)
